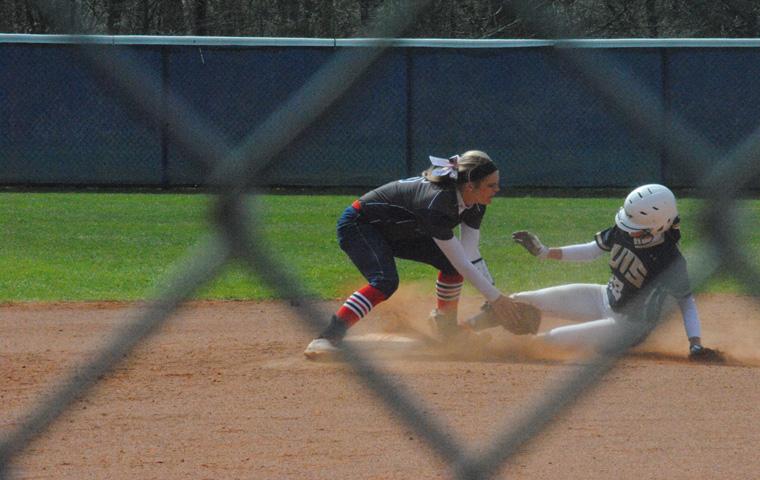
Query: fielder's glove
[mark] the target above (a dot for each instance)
(516, 317)
(698, 353)
(531, 243)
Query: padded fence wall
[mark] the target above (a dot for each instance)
(61, 125)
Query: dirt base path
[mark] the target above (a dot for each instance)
(223, 391)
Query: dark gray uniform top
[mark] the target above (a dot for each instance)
(635, 267)
(416, 208)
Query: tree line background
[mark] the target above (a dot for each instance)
(346, 18)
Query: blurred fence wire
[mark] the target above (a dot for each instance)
(238, 234)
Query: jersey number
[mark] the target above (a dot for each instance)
(628, 264)
(616, 287)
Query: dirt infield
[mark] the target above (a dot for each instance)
(223, 391)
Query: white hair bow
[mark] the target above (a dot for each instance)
(447, 167)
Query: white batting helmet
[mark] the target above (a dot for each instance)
(649, 208)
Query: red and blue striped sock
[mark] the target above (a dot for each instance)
(359, 304)
(447, 290)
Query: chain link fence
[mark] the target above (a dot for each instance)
(233, 169)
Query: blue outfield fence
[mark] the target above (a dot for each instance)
(61, 125)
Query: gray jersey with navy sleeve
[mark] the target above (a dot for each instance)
(416, 208)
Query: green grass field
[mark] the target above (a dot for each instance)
(106, 246)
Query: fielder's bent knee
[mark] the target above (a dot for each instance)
(387, 285)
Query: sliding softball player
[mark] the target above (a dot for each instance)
(643, 251)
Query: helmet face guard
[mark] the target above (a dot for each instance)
(649, 209)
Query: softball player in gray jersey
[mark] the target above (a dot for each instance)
(643, 249)
(415, 219)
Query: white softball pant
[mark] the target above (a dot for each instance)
(578, 302)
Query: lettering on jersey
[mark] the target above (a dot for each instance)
(628, 264)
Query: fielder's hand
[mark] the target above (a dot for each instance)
(698, 353)
(516, 317)
(531, 243)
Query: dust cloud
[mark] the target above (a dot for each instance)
(730, 323)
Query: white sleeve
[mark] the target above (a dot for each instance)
(583, 252)
(470, 238)
(454, 251)
(690, 316)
